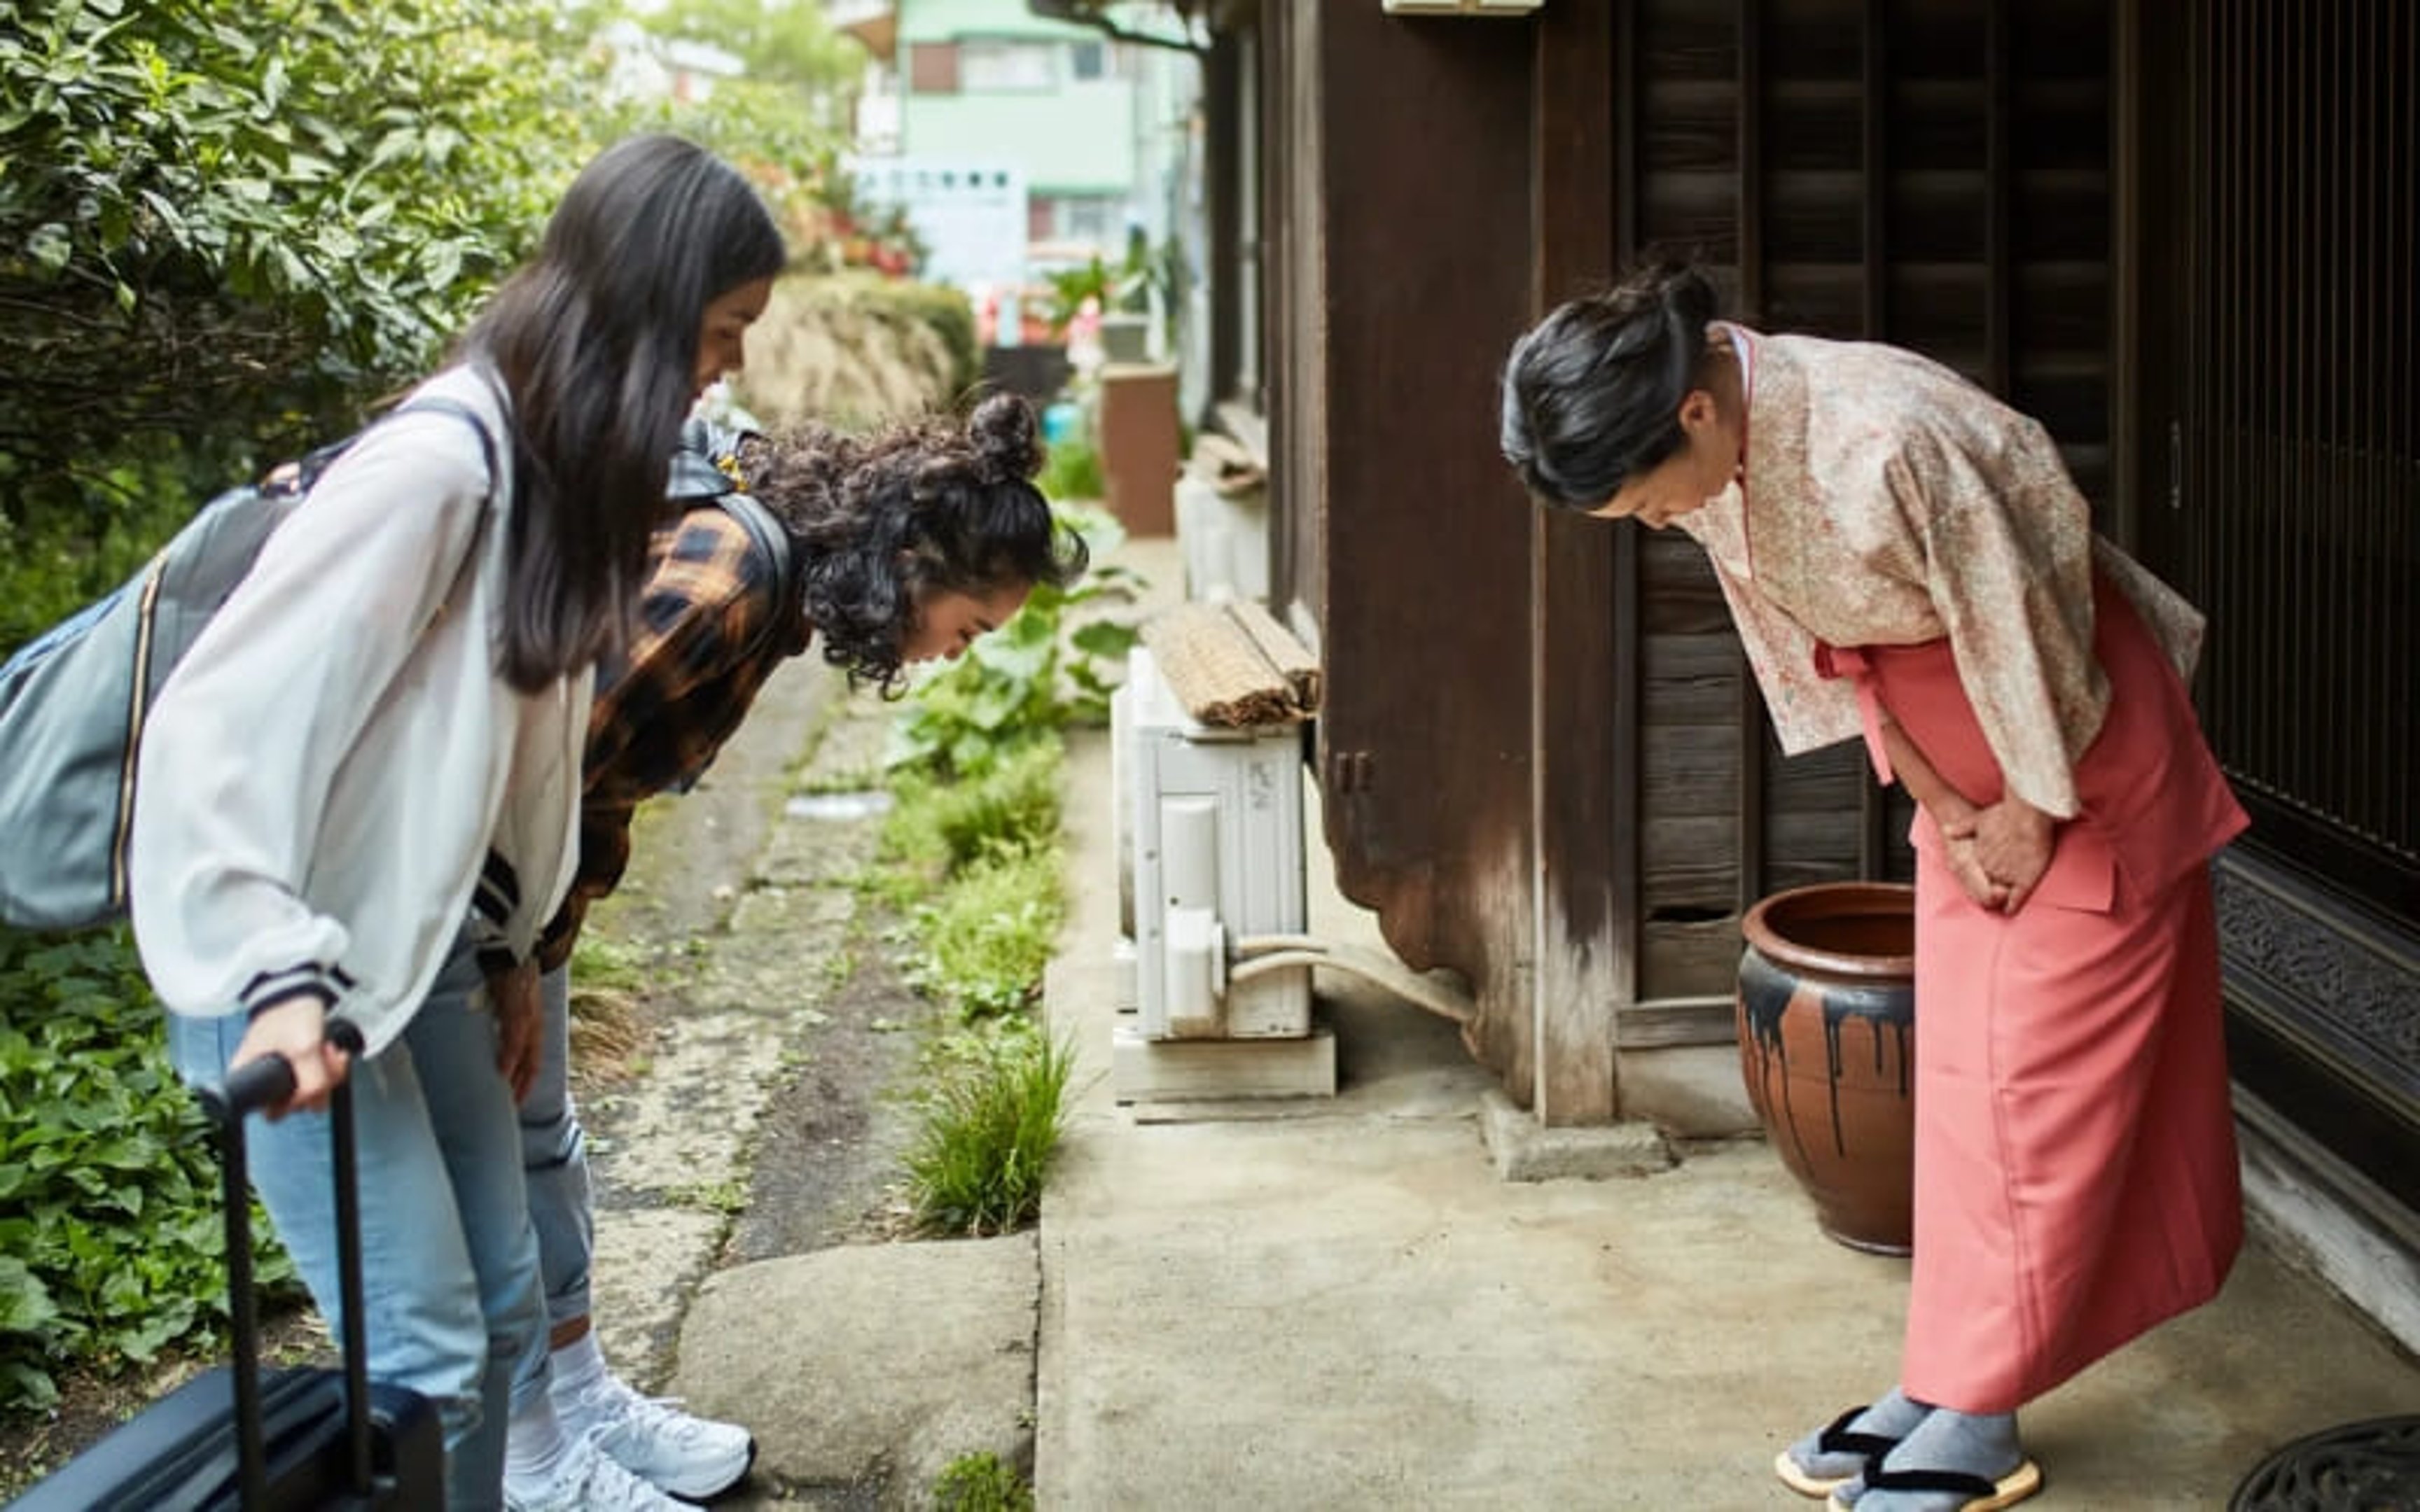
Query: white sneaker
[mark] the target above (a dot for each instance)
(691, 1457)
(591, 1481)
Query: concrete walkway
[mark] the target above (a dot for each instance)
(1346, 1308)
(1339, 1305)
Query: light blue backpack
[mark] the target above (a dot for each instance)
(73, 700)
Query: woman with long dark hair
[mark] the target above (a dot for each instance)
(360, 787)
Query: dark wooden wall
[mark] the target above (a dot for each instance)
(1228, 90)
(1936, 175)
(2282, 492)
(1543, 763)
(1400, 194)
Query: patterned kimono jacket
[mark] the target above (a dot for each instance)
(1903, 541)
(1892, 502)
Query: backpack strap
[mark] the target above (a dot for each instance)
(772, 537)
(696, 479)
(297, 476)
(697, 474)
(442, 404)
(469, 417)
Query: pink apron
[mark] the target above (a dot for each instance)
(2075, 1164)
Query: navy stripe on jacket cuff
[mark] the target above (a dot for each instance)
(499, 891)
(309, 980)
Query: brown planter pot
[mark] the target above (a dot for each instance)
(1827, 1045)
(1140, 440)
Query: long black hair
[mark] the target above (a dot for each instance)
(1592, 393)
(596, 344)
(928, 506)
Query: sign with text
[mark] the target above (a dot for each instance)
(970, 216)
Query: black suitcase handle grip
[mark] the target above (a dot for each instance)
(255, 1085)
(268, 1082)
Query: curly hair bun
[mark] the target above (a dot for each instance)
(1006, 437)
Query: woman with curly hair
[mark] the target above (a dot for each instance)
(1907, 560)
(910, 544)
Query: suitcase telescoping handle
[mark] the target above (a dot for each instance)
(267, 1083)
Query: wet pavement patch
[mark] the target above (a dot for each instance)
(839, 806)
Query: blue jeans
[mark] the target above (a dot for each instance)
(449, 1262)
(555, 1161)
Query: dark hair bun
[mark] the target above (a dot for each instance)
(1007, 438)
(1592, 393)
(1683, 290)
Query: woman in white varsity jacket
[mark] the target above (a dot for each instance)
(379, 738)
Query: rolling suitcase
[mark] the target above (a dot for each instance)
(297, 1437)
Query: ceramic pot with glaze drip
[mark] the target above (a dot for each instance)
(1827, 1044)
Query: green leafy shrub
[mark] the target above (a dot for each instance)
(221, 244)
(112, 1246)
(54, 561)
(991, 1120)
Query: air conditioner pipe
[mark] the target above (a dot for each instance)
(1255, 954)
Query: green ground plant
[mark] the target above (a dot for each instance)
(605, 962)
(987, 935)
(993, 1110)
(1073, 470)
(979, 1483)
(938, 828)
(971, 851)
(112, 1248)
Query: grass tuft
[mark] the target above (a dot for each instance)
(991, 1122)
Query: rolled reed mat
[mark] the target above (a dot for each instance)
(1232, 665)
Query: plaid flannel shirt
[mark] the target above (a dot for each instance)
(666, 704)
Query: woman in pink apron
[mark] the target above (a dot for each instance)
(1908, 563)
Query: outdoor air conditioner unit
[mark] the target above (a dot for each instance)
(1215, 848)
(1211, 861)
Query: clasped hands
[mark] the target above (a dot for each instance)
(1998, 853)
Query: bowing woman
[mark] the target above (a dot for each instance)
(1907, 562)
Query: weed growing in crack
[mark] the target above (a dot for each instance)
(991, 1119)
(980, 1482)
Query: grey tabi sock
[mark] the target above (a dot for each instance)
(1983, 1445)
